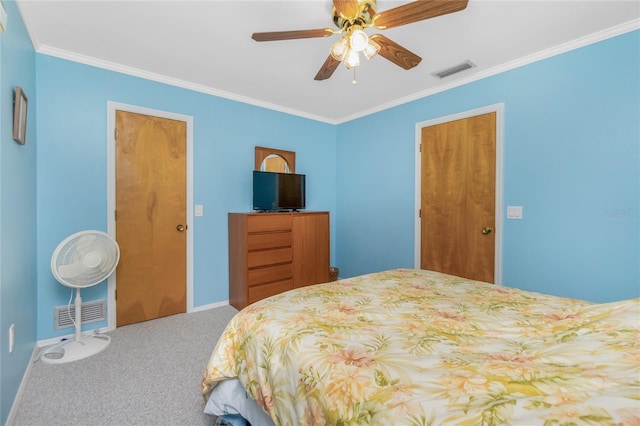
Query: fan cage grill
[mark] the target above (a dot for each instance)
(69, 253)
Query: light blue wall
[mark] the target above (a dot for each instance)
(18, 291)
(571, 159)
(72, 167)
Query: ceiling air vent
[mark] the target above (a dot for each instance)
(454, 69)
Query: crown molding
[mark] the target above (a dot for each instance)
(507, 66)
(160, 78)
(525, 60)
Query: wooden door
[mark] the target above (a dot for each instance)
(150, 211)
(458, 197)
(310, 248)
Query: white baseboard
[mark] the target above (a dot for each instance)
(209, 306)
(54, 340)
(23, 384)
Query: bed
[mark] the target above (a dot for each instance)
(415, 347)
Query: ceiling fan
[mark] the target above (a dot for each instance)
(352, 17)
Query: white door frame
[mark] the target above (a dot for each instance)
(112, 107)
(499, 110)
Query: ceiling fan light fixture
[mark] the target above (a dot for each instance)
(371, 50)
(339, 49)
(353, 59)
(358, 40)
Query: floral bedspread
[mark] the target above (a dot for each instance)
(413, 347)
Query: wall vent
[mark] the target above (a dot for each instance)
(93, 311)
(454, 69)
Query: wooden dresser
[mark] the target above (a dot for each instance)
(274, 252)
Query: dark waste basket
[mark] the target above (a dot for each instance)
(333, 273)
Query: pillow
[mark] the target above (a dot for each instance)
(229, 400)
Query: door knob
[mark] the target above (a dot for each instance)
(486, 230)
(181, 228)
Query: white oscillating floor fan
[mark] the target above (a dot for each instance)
(82, 260)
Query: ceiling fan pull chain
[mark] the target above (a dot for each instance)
(354, 81)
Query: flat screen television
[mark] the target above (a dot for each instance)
(278, 191)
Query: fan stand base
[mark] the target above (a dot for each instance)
(73, 350)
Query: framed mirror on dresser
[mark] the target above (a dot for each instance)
(275, 160)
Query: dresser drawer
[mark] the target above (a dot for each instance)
(259, 292)
(268, 240)
(269, 257)
(269, 222)
(269, 274)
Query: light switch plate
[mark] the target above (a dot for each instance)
(514, 212)
(199, 210)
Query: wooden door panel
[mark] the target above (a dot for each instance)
(150, 203)
(481, 175)
(310, 248)
(458, 197)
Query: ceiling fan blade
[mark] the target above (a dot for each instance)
(290, 35)
(395, 53)
(346, 8)
(416, 11)
(327, 69)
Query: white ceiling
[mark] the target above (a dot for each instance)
(207, 46)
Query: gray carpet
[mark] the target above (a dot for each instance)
(148, 375)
